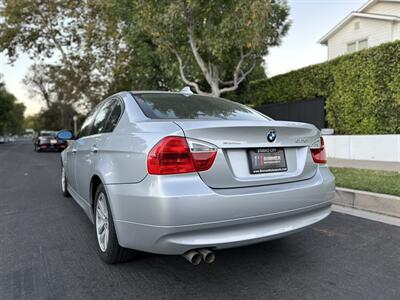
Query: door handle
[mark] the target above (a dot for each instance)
(73, 150)
(94, 149)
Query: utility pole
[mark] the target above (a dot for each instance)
(75, 118)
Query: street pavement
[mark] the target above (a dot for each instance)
(47, 251)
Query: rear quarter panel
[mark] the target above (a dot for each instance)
(123, 154)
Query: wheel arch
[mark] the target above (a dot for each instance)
(94, 183)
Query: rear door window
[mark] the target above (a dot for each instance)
(178, 106)
(87, 125)
(114, 116)
(102, 116)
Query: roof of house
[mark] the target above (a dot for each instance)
(360, 14)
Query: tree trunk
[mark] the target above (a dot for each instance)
(215, 90)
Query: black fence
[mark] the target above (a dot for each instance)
(309, 111)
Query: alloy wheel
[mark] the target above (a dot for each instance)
(102, 222)
(63, 185)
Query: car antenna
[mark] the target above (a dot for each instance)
(186, 91)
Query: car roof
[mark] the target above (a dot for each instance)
(174, 93)
(155, 92)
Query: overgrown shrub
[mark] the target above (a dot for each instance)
(362, 90)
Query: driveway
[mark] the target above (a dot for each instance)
(47, 250)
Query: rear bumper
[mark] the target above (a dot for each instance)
(173, 214)
(52, 147)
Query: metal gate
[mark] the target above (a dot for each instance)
(309, 111)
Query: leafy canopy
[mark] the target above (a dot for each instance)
(11, 112)
(86, 50)
(215, 45)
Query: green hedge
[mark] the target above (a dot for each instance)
(362, 90)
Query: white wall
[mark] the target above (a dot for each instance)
(376, 31)
(386, 8)
(364, 147)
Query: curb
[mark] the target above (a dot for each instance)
(366, 215)
(373, 202)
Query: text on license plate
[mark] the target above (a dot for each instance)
(267, 160)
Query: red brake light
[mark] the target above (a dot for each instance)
(319, 155)
(203, 160)
(172, 155)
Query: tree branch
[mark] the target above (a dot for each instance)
(211, 73)
(238, 80)
(183, 76)
(207, 72)
(225, 82)
(193, 46)
(50, 31)
(239, 65)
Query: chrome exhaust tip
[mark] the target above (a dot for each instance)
(207, 255)
(193, 257)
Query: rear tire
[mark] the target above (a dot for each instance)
(64, 183)
(108, 247)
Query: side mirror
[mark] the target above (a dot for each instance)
(64, 135)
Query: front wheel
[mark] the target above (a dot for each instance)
(108, 247)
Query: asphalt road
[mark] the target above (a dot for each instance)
(47, 250)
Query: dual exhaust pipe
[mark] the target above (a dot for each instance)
(196, 256)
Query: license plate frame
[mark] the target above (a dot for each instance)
(266, 160)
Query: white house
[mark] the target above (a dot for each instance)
(376, 22)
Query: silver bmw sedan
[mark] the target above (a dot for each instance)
(184, 174)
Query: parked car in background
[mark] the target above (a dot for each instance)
(183, 174)
(47, 141)
(2, 139)
(10, 138)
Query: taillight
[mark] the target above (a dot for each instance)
(203, 154)
(176, 155)
(319, 154)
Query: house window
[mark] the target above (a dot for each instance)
(351, 47)
(356, 46)
(363, 44)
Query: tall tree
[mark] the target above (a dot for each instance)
(11, 112)
(80, 48)
(81, 39)
(40, 83)
(88, 49)
(215, 44)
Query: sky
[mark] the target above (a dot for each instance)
(311, 19)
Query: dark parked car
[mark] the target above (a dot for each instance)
(47, 141)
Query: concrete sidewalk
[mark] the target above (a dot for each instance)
(364, 164)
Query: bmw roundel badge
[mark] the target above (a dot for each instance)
(271, 136)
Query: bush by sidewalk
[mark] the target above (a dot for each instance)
(362, 90)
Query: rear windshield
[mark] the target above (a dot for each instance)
(48, 133)
(177, 106)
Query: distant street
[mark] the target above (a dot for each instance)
(47, 251)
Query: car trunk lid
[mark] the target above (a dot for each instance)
(235, 139)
